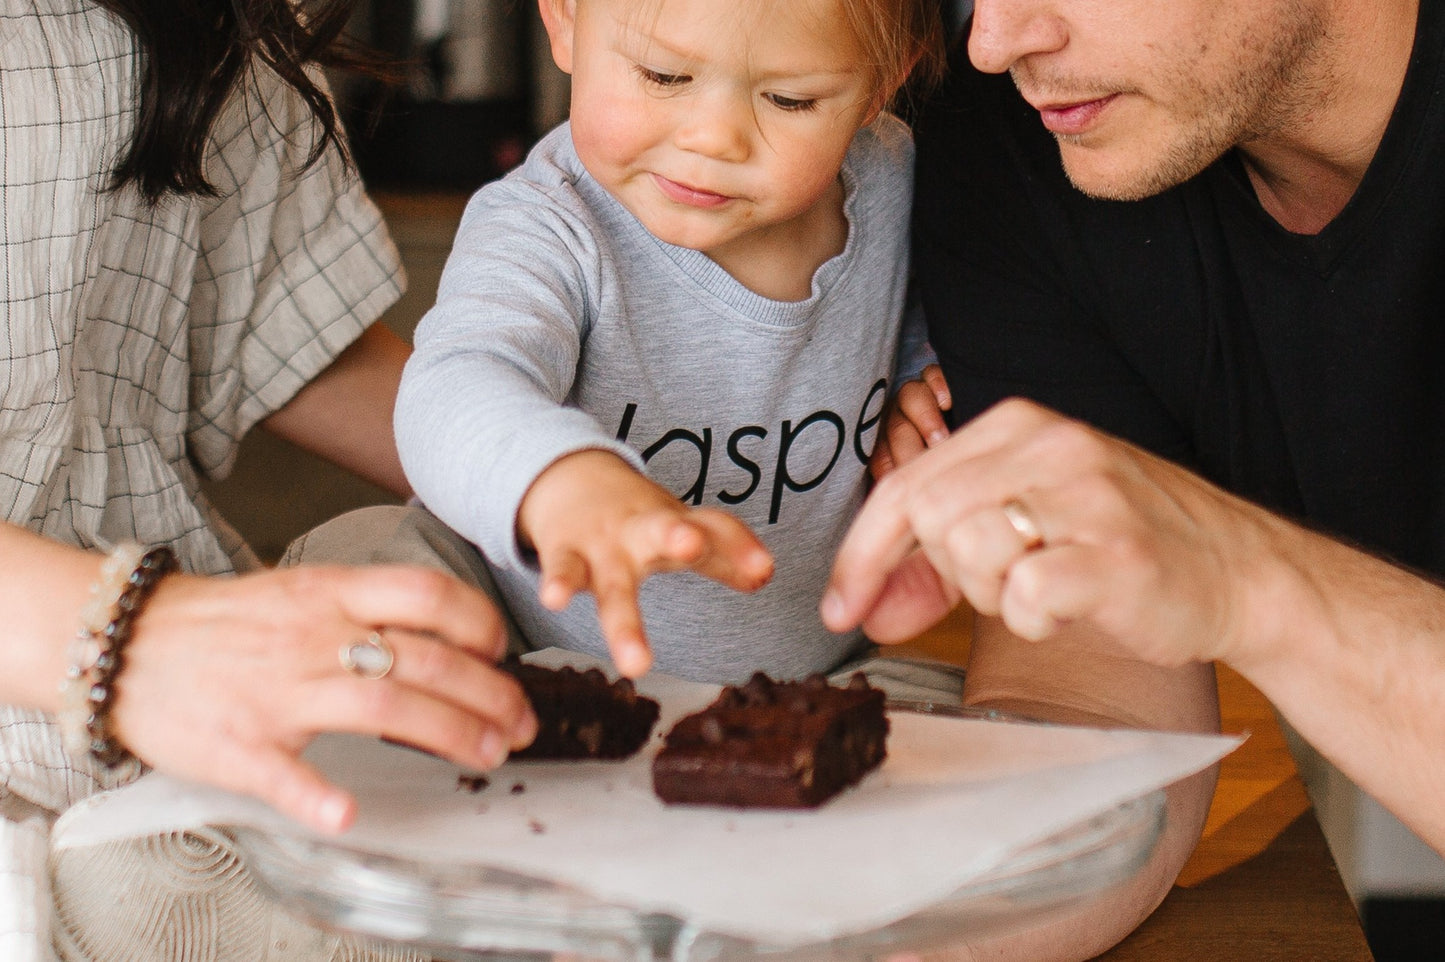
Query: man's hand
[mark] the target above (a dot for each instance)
(1128, 544)
(914, 422)
(1101, 543)
(598, 525)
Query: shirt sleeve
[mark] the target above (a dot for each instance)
(483, 408)
(295, 263)
(914, 351)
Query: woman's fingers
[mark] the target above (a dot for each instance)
(294, 788)
(388, 708)
(442, 671)
(419, 599)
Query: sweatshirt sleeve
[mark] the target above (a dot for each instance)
(483, 407)
(914, 351)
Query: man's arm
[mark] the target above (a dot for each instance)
(1351, 650)
(1138, 558)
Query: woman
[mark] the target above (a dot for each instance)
(186, 255)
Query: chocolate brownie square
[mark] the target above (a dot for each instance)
(581, 714)
(771, 744)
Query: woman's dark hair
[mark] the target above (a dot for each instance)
(195, 53)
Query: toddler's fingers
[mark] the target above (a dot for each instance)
(919, 407)
(938, 384)
(621, 621)
(662, 540)
(562, 577)
(882, 460)
(904, 441)
(734, 556)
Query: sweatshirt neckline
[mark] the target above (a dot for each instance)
(703, 272)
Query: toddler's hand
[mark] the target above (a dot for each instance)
(914, 422)
(598, 525)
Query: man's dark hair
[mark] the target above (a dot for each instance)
(194, 53)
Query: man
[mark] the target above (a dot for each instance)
(1235, 268)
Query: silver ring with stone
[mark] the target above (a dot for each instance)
(1025, 525)
(371, 657)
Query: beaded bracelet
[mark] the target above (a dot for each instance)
(126, 580)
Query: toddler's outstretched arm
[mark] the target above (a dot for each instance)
(598, 525)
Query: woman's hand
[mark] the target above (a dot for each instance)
(599, 526)
(226, 680)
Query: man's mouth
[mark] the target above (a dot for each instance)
(1071, 118)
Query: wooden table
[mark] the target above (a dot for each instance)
(1261, 886)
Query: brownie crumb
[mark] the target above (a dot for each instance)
(518, 788)
(472, 783)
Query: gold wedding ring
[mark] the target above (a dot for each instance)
(1022, 520)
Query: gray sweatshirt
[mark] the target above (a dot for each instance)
(562, 325)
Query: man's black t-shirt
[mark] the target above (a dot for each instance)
(1305, 373)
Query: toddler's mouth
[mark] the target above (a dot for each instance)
(686, 194)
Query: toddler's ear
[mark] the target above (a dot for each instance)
(560, 18)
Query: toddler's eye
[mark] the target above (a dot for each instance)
(784, 102)
(661, 79)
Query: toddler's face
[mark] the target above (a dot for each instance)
(716, 122)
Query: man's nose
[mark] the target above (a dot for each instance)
(1005, 31)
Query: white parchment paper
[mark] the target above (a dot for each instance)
(955, 798)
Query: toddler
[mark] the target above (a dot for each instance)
(663, 347)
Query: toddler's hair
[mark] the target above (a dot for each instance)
(901, 40)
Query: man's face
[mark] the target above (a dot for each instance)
(1143, 94)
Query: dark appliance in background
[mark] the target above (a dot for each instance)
(478, 88)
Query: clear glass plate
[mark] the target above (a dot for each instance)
(468, 912)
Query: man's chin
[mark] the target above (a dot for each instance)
(1106, 177)
(1108, 183)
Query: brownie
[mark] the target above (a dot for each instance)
(771, 744)
(581, 714)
